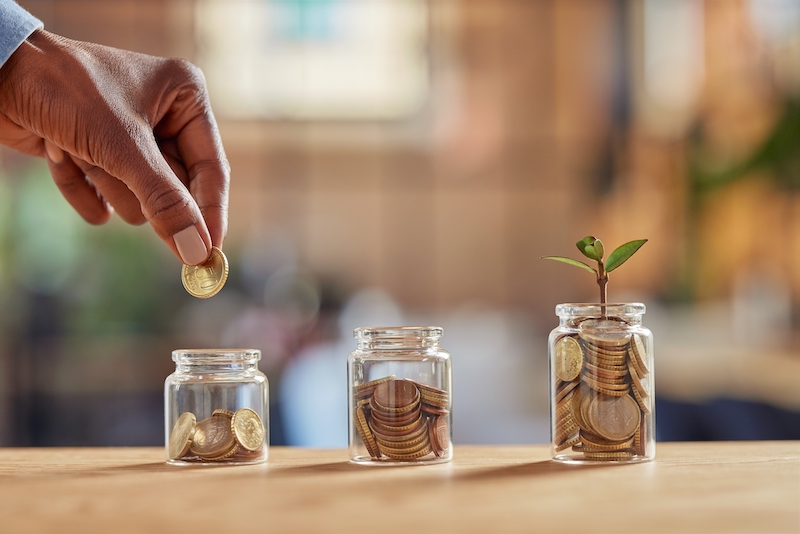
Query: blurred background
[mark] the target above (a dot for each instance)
(409, 162)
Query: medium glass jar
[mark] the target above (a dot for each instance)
(602, 406)
(400, 397)
(216, 408)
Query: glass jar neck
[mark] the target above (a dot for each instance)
(398, 337)
(216, 360)
(629, 313)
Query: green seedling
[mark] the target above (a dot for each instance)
(592, 248)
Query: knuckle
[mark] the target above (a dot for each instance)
(208, 170)
(186, 74)
(166, 205)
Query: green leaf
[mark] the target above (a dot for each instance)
(598, 247)
(587, 247)
(622, 253)
(570, 261)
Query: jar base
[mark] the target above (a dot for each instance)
(388, 462)
(577, 460)
(219, 464)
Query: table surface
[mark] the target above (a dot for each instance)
(690, 487)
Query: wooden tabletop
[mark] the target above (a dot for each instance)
(690, 487)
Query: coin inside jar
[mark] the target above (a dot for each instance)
(439, 435)
(613, 418)
(206, 280)
(568, 359)
(180, 439)
(213, 437)
(248, 429)
(396, 394)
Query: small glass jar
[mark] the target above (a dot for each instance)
(399, 385)
(216, 408)
(602, 396)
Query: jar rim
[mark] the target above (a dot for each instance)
(216, 355)
(366, 333)
(579, 309)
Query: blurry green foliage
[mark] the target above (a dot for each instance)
(110, 279)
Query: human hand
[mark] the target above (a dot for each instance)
(122, 132)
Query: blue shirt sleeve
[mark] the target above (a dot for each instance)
(16, 25)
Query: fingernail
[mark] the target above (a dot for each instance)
(54, 153)
(191, 246)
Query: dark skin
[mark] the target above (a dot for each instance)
(123, 132)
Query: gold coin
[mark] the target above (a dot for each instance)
(223, 412)
(608, 456)
(396, 430)
(598, 444)
(225, 455)
(213, 437)
(563, 391)
(569, 442)
(205, 280)
(365, 390)
(616, 352)
(180, 439)
(412, 456)
(639, 354)
(566, 434)
(392, 421)
(403, 445)
(609, 361)
(640, 439)
(366, 434)
(568, 359)
(607, 339)
(604, 373)
(575, 405)
(423, 387)
(248, 429)
(407, 449)
(613, 418)
(566, 423)
(638, 384)
(644, 403)
(399, 438)
(435, 400)
(604, 387)
(564, 407)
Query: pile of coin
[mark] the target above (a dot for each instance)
(402, 420)
(226, 436)
(602, 395)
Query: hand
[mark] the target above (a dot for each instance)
(122, 132)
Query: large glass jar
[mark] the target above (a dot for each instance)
(400, 397)
(602, 406)
(216, 408)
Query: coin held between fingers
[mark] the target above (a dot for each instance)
(206, 280)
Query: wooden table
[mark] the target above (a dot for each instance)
(751, 487)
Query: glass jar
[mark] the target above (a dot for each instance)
(400, 397)
(215, 408)
(602, 406)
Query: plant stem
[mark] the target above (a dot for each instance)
(602, 281)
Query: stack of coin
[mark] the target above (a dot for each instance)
(402, 420)
(602, 395)
(224, 437)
